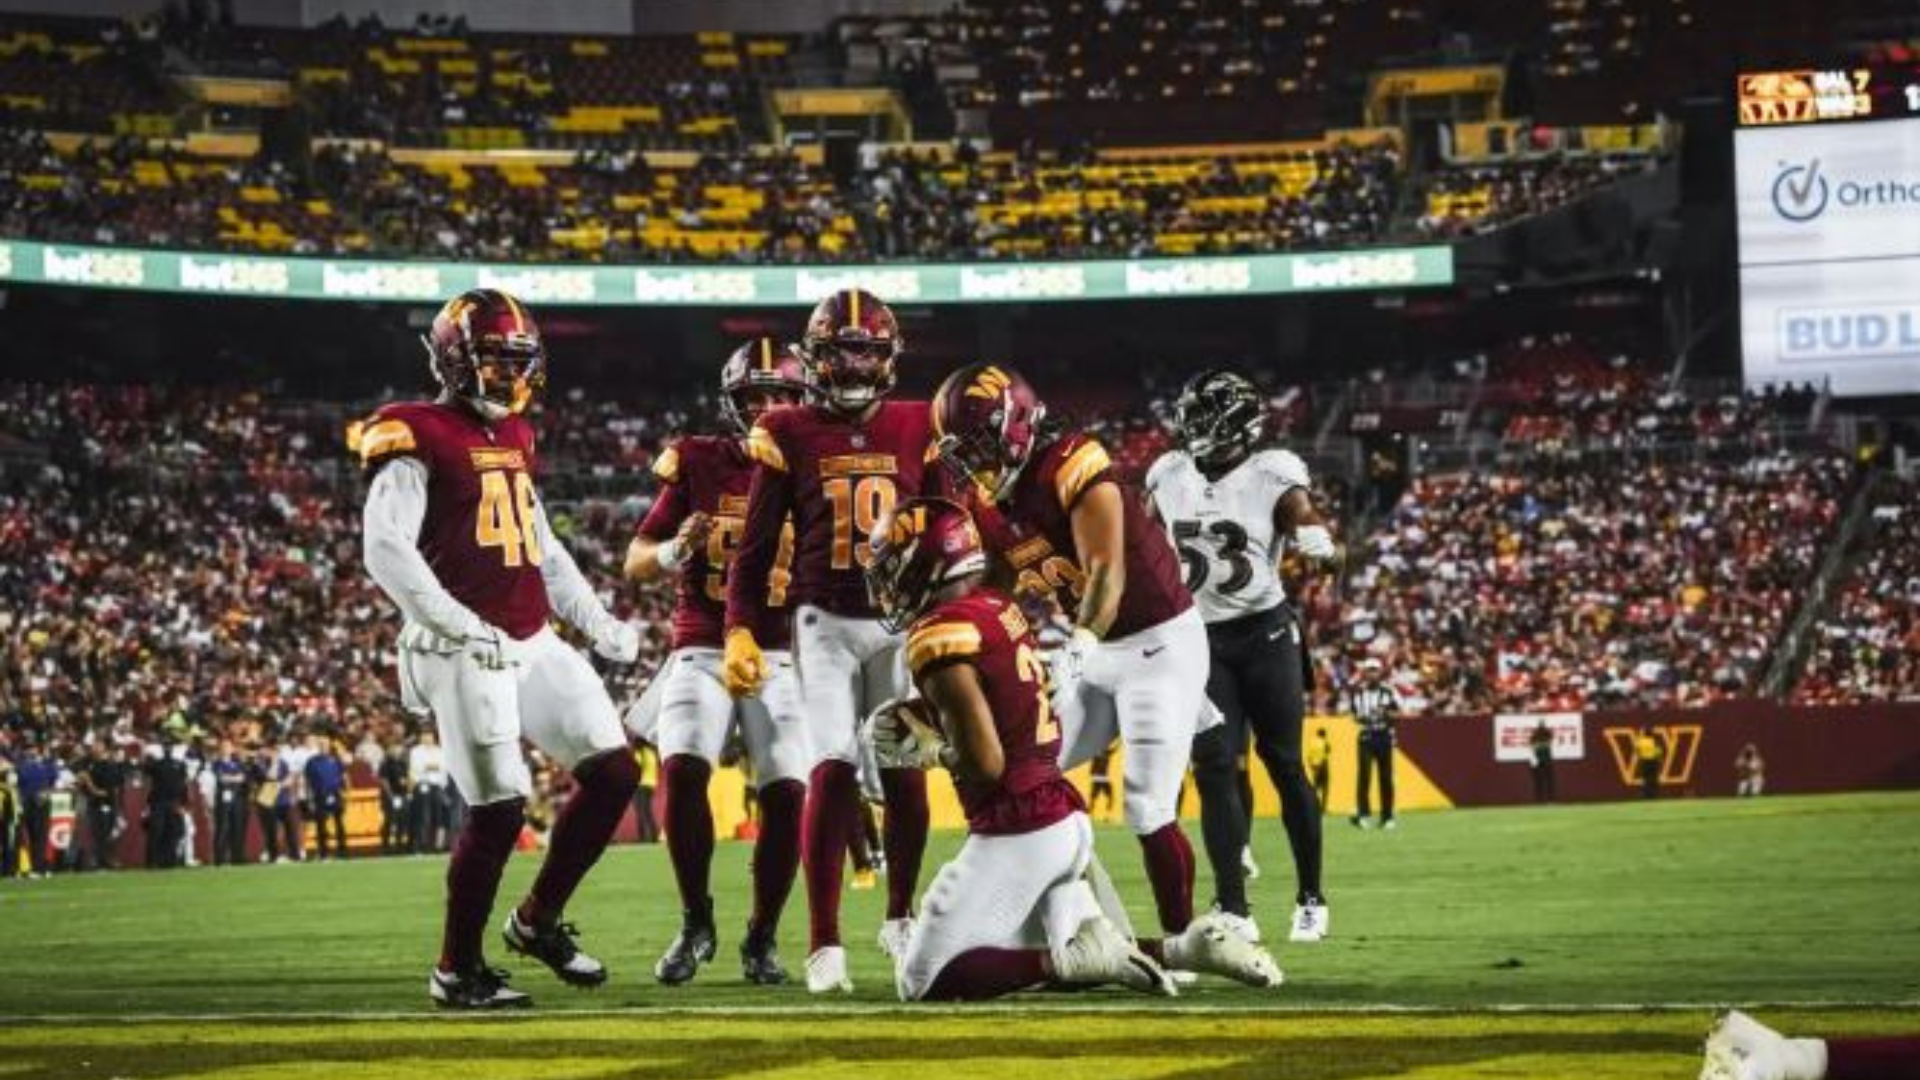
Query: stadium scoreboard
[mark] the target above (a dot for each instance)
(1827, 197)
(1828, 95)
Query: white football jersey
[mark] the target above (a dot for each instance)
(1224, 528)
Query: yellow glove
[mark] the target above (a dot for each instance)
(744, 667)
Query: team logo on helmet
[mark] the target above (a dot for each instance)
(485, 349)
(924, 545)
(986, 423)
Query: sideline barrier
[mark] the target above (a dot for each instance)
(313, 278)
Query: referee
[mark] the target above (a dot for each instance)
(1374, 707)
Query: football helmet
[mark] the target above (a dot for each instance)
(759, 370)
(922, 546)
(986, 422)
(485, 350)
(850, 346)
(1219, 416)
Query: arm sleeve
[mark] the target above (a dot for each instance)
(669, 510)
(568, 590)
(390, 536)
(750, 579)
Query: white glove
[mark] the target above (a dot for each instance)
(618, 641)
(1069, 661)
(492, 649)
(903, 737)
(1316, 543)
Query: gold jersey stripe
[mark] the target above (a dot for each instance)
(1079, 471)
(667, 465)
(762, 448)
(931, 644)
(384, 438)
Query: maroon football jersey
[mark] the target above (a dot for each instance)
(837, 477)
(1032, 531)
(986, 629)
(704, 474)
(479, 533)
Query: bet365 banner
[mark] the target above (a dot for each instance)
(723, 286)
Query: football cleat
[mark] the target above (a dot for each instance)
(694, 945)
(553, 946)
(1742, 1048)
(1247, 866)
(482, 987)
(1211, 946)
(1099, 953)
(827, 971)
(894, 934)
(760, 960)
(1360, 822)
(1389, 824)
(1243, 925)
(1311, 922)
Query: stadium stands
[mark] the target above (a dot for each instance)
(1868, 646)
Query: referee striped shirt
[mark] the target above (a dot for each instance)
(1374, 708)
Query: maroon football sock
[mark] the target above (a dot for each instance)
(606, 783)
(904, 836)
(776, 855)
(689, 826)
(473, 877)
(978, 974)
(1170, 869)
(1873, 1059)
(833, 798)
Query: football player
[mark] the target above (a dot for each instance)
(1013, 909)
(455, 535)
(692, 532)
(1016, 907)
(1229, 506)
(837, 466)
(1054, 513)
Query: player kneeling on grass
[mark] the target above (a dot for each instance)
(455, 535)
(1014, 909)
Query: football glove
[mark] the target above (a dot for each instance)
(1069, 661)
(1316, 543)
(743, 667)
(492, 649)
(618, 641)
(904, 737)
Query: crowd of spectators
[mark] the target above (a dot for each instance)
(1867, 648)
(1468, 199)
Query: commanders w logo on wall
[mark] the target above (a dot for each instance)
(1683, 749)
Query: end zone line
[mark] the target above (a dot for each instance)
(853, 1009)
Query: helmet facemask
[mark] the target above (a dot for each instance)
(853, 369)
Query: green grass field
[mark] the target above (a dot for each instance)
(1570, 941)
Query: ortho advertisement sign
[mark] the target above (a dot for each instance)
(681, 286)
(1830, 255)
(1513, 735)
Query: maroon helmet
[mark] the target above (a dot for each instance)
(922, 546)
(986, 422)
(851, 343)
(759, 373)
(485, 350)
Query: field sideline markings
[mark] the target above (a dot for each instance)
(851, 1009)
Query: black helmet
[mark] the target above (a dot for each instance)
(1219, 416)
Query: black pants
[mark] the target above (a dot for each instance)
(1376, 751)
(429, 811)
(330, 810)
(1543, 781)
(229, 828)
(279, 832)
(1650, 779)
(36, 820)
(101, 815)
(1322, 786)
(1258, 678)
(166, 827)
(394, 834)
